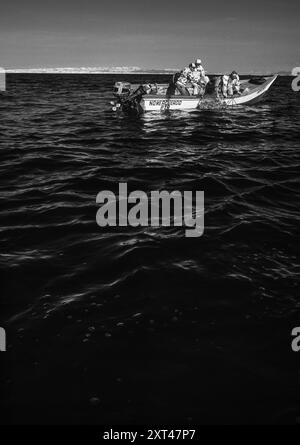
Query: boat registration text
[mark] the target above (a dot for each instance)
(155, 103)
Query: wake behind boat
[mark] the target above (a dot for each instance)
(161, 97)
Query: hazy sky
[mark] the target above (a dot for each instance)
(252, 35)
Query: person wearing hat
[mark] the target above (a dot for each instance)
(195, 79)
(198, 78)
(203, 80)
(228, 85)
(184, 79)
(233, 84)
(199, 67)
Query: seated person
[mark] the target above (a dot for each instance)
(227, 86)
(184, 79)
(199, 82)
(199, 67)
(202, 79)
(234, 85)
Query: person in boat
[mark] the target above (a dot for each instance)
(184, 79)
(199, 67)
(201, 70)
(200, 78)
(228, 86)
(234, 86)
(198, 82)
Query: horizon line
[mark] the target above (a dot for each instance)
(119, 70)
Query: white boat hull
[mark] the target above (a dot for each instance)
(177, 102)
(252, 96)
(154, 103)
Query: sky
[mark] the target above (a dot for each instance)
(249, 36)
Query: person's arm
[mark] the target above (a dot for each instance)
(190, 76)
(237, 86)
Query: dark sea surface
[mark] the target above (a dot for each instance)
(144, 325)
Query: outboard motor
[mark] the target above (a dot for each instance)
(122, 89)
(126, 98)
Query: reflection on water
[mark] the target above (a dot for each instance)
(158, 326)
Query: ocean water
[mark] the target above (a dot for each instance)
(143, 325)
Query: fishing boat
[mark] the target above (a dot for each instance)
(162, 97)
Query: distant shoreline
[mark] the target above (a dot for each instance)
(136, 73)
(89, 72)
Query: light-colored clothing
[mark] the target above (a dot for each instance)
(184, 77)
(201, 70)
(183, 81)
(227, 86)
(199, 81)
(233, 86)
(195, 81)
(224, 85)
